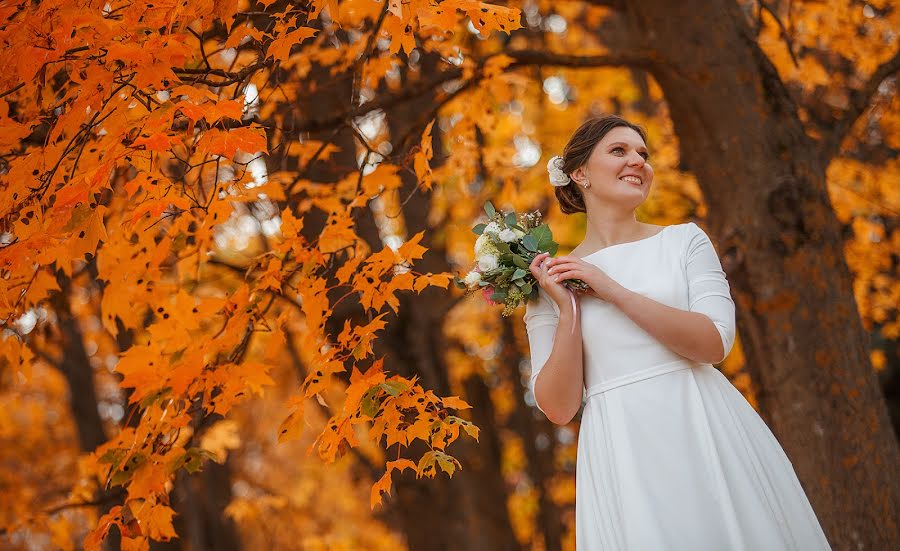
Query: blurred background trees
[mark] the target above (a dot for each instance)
(220, 218)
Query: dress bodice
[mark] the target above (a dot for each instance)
(678, 266)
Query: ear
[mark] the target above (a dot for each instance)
(579, 175)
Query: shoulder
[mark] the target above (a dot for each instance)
(692, 239)
(688, 228)
(691, 232)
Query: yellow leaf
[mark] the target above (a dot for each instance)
(156, 521)
(382, 486)
(292, 427)
(454, 402)
(280, 48)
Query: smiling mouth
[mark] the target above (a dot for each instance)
(632, 180)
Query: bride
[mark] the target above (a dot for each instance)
(670, 455)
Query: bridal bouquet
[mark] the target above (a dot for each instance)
(505, 247)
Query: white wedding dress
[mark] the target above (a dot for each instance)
(671, 456)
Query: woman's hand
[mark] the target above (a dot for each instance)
(560, 294)
(571, 267)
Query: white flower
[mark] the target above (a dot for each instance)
(488, 262)
(484, 244)
(508, 236)
(519, 233)
(472, 278)
(492, 228)
(557, 176)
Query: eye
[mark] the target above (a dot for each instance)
(644, 154)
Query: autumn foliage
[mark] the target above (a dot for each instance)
(129, 130)
(178, 250)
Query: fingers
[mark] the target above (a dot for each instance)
(536, 261)
(566, 258)
(555, 267)
(538, 268)
(536, 264)
(563, 275)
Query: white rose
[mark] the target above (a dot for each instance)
(483, 244)
(508, 236)
(493, 228)
(488, 262)
(557, 176)
(472, 278)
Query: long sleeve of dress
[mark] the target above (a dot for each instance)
(708, 289)
(541, 319)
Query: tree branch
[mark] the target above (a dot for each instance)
(539, 57)
(781, 28)
(523, 58)
(859, 103)
(613, 4)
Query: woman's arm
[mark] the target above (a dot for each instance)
(705, 332)
(689, 334)
(558, 380)
(558, 384)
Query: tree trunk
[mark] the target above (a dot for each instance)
(200, 500)
(469, 511)
(76, 366)
(763, 179)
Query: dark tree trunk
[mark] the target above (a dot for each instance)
(469, 511)
(76, 367)
(200, 500)
(780, 241)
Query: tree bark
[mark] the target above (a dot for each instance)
(75, 365)
(469, 511)
(763, 179)
(200, 500)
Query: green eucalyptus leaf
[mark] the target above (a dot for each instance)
(510, 219)
(489, 209)
(530, 243)
(519, 274)
(479, 229)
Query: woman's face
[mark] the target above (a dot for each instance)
(617, 169)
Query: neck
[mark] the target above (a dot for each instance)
(610, 227)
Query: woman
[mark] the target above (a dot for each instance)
(670, 455)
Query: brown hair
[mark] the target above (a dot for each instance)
(578, 151)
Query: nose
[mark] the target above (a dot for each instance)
(636, 159)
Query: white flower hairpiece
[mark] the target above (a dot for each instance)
(557, 176)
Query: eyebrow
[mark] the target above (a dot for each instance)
(623, 143)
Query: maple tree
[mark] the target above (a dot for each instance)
(215, 217)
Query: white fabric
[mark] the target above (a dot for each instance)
(670, 455)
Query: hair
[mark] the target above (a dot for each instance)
(578, 151)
